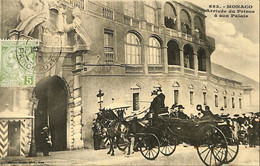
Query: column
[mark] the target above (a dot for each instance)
(77, 110)
(182, 61)
(178, 18)
(192, 24)
(196, 65)
(165, 58)
(208, 63)
(145, 58)
(161, 16)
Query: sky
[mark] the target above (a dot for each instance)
(236, 39)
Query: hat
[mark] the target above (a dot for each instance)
(199, 107)
(174, 106)
(45, 128)
(180, 107)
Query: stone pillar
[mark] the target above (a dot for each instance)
(165, 59)
(178, 18)
(182, 61)
(192, 24)
(196, 65)
(208, 63)
(161, 16)
(145, 58)
(77, 110)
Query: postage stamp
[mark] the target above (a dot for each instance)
(17, 63)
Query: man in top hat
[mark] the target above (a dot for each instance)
(157, 103)
(181, 114)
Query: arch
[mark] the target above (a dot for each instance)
(132, 48)
(199, 27)
(154, 51)
(170, 16)
(53, 95)
(188, 56)
(185, 22)
(173, 52)
(140, 37)
(201, 59)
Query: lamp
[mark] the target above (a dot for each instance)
(32, 152)
(100, 98)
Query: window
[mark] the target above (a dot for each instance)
(233, 102)
(216, 100)
(170, 19)
(176, 96)
(225, 102)
(109, 45)
(129, 8)
(132, 49)
(78, 3)
(150, 12)
(204, 98)
(240, 103)
(108, 13)
(135, 101)
(191, 97)
(154, 51)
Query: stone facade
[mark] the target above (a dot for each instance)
(125, 49)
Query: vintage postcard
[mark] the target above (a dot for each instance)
(129, 82)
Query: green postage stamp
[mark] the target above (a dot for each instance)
(17, 63)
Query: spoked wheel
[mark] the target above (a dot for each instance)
(168, 144)
(233, 148)
(122, 143)
(212, 148)
(149, 146)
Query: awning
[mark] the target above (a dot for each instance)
(11, 115)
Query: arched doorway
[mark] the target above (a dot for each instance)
(173, 53)
(201, 60)
(52, 111)
(188, 56)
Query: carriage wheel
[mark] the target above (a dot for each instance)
(122, 143)
(212, 148)
(233, 148)
(168, 145)
(149, 146)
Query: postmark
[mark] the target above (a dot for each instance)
(12, 74)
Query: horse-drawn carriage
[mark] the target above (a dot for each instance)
(152, 136)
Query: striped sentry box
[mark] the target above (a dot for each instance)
(3, 138)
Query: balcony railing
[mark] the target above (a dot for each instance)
(189, 71)
(134, 68)
(155, 68)
(174, 69)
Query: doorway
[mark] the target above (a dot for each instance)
(14, 138)
(52, 112)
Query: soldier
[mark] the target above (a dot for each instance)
(45, 141)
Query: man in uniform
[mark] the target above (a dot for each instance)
(45, 141)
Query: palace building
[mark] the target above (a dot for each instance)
(124, 48)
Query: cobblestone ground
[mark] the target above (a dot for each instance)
(182, 156)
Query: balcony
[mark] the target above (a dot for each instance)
(171, 32)
(189, 71)
(187, 37)
(155, 68)
(174, 69)
(134, 68)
